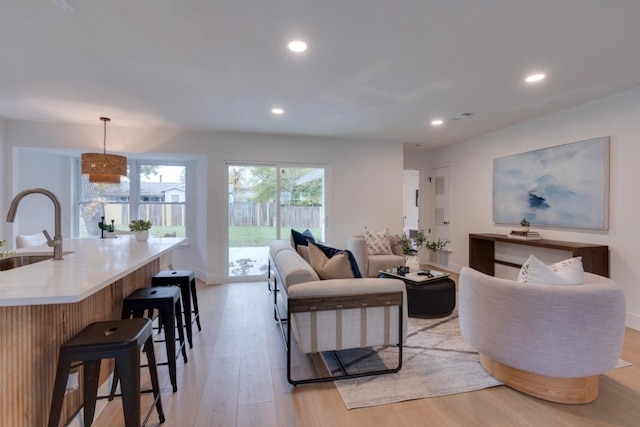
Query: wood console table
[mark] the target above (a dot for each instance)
(595, 258)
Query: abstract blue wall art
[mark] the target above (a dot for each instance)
(562, 186)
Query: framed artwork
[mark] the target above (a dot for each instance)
(562, 186)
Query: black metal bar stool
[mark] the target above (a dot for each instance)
(167, 301)
(117, 339)
(185, 279)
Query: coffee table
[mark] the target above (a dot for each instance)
(429, 296)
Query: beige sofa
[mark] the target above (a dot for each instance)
(549, 341)
(370, 265)
(337, 314)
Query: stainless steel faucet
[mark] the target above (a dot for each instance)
(56, 242)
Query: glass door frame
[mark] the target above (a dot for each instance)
(279, 166)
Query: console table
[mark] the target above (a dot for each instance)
(595, 258)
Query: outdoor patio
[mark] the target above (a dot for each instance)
(248, 261)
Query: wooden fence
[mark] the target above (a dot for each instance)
(240, 214)
(264, 214)
(165, 215)
(162, 215)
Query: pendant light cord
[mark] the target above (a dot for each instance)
(104, 145)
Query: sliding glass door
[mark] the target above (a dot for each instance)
(265, 203)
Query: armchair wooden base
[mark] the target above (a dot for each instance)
(572, 391)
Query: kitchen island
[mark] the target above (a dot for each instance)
(44, 304)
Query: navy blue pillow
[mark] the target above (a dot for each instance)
(330, 252)
(302, 238)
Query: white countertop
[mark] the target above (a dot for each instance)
(92, 265)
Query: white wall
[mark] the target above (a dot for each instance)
(4, 179)
(40, 169)
(364, 179)
(618, 117)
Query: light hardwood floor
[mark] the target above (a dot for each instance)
(236, 376)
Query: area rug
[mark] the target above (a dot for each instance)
(437, 361)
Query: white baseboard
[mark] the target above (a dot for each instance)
(211, 279)
(633, 321)
(455, 268)
(103, 390)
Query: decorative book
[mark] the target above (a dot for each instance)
(524, 235)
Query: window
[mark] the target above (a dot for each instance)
(151, 191)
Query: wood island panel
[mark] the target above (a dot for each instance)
(30, 337)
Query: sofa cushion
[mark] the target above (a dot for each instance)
(279, 245)
(332, 263)
(377, 242)
(293, 269)
(567, 272)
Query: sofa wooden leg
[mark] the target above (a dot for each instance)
(572, 391)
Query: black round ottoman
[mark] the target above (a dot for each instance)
(432, 299)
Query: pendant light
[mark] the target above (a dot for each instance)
(102, 167)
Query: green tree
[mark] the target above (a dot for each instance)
(237, 180)
(263, 183)
(148, 170)
(304, 191)
(296, 190)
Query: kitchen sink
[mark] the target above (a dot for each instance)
(22, 260)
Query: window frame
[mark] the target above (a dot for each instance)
(134, 166)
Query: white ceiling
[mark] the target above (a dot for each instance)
(374, 69)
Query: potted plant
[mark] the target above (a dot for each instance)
(107, 230)
(524, 224)
(411, 247)
(4, 253)
(140, 229)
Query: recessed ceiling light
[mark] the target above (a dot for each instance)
(297, 46)
(277, 111)
(437, 122)
(533, 78)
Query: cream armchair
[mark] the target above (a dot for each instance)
(369, 265)
(549, 341)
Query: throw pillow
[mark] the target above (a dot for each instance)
(301, 239)
(332, 263)
(378, 243)
(567, 272)
(303, 251)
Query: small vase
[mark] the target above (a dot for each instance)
(525, 228)
(141, 236)
(413, 262)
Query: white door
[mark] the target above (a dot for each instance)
(441, 211)
(411, 195)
